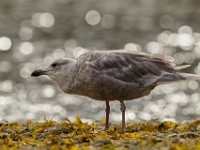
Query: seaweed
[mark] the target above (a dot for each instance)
(77, 135)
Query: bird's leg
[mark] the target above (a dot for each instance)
(107, 115)
(123, 109)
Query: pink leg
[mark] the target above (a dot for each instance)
(123, 109)
(107, 115)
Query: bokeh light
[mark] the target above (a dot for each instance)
(154, 47)
(26, 48)
(58, 53)
(6, 86)
(47, 20)
(48, 91)
(163, 37)
(5, 43)
(92, 17)
(132, 47)
(43, 20)
(25, 73)
(25, 33)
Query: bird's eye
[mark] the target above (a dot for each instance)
(53, 65)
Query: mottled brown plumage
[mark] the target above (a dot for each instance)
(114, 75)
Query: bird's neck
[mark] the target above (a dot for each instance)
(67, 84)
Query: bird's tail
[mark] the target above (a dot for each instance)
(185, 77)
(190, 76)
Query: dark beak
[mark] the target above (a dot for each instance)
(37, 73)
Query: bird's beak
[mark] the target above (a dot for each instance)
(39, 72)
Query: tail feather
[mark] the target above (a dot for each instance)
(171, 78)
(190, 76)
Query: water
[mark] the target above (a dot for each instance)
(33, 34)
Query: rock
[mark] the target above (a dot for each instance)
(198, 128)
(190, 134)
(173, 135)
(102, 142)
(192, 129)
(160, 135)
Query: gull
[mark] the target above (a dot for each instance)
(114, 75)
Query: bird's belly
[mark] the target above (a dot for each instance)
(116, 92)
(100, 88)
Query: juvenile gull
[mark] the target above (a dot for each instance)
(114, 75)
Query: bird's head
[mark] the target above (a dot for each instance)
(58, 70)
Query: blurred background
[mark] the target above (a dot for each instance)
(33, 33)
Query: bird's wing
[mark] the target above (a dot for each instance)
(139, 68)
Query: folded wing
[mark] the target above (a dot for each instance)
(137, 68)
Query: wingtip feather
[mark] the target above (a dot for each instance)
(181, 67)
